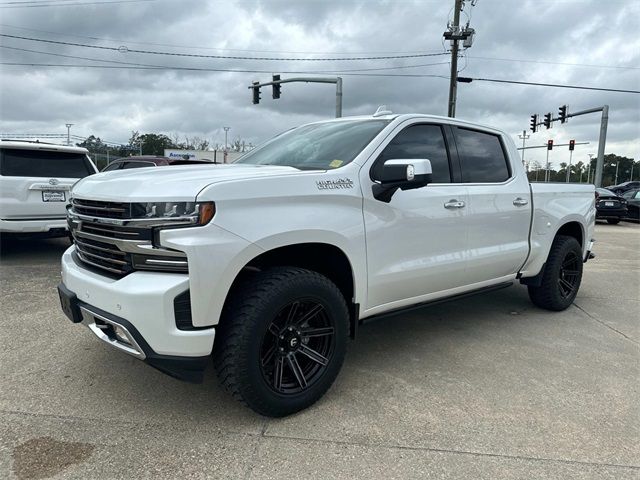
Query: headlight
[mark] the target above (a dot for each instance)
(175, 213)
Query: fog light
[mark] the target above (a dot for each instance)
(121, 335)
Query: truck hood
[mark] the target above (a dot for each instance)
(178, 183)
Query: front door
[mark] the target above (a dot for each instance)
(416, 243)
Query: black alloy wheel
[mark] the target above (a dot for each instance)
(561, 276)
(282, 339)
(297, 347)
(569, 275)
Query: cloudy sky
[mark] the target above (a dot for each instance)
(574, 42)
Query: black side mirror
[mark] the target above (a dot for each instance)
(403, 174)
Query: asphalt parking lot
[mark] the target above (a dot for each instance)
(488, 387)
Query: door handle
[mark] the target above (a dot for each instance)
(520, 202)
(453, 203)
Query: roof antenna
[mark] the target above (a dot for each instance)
(382, 110)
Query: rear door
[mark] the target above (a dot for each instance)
(35, 184)
(498, 209)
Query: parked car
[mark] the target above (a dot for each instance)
(141, 161)
(633, 204)
(609, 206)
(272, 262)
(35, 180)
(624, 187)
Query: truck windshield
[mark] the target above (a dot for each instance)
(320, 146)
(42, 163)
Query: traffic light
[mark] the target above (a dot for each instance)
(572, 145)
(256, 92)
(276, 86)
(534, 123)
(547, 121)
(562, 113)
(549, 144)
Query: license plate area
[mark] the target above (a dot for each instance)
(69, 304)
(53, 196)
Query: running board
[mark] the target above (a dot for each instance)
(418, 306)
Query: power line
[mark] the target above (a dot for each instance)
(195, 47)
(226, 70)
(557, 85)
(75, 57)
(124, 49)
(58, 3)
(551, 63)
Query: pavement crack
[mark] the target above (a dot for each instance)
(605, 324)
(456, 452)
(254, 454)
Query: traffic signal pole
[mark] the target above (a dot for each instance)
(604, 121)
(255, 86)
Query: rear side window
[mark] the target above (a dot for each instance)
(112, 166)
(138, 164)
(40, 163)
(419, 142)
(482, 157)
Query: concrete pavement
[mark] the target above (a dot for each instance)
(487, 387)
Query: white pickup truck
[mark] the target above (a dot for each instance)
(270, 264)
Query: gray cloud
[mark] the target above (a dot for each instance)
(112, 102)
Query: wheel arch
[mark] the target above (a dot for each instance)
(324, 258)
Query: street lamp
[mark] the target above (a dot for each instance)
(68, 125)
(616, 164)
(226, 131)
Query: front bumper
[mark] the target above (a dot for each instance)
(142, 304)
(56, 226)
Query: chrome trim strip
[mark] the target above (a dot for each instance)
(154, 261)
(88, 319)
(135, 222)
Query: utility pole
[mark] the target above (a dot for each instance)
(589, 167)
(453, 80)
(524, 138)
(68, 125)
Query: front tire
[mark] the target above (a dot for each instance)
(562, 275)
(282, 340)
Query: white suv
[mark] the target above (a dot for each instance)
(35, 180)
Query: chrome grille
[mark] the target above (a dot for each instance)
(102, 255)
(101, 209)
(117, 244)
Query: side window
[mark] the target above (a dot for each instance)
(137, 164)
(111, 166)
(421, 142)
(482, 157)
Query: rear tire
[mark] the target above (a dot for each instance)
(613, 221)
(282, 340)
(562, 275)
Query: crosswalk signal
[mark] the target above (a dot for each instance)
(276, 87)
(547, 121)
(549, 144)
(534, 123)
(562, 113)
(256, 92)
(572, 145)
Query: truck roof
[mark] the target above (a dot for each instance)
(31, 145)
(408, 116)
